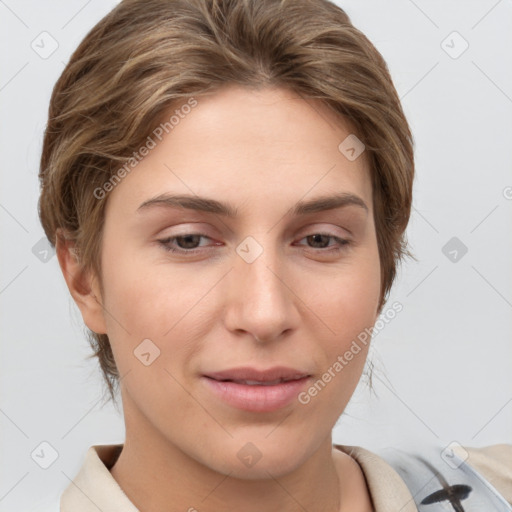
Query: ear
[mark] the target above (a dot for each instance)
(83, 286)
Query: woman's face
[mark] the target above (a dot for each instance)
(269, 285)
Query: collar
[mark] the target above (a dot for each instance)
(94, 488)
(387, 489)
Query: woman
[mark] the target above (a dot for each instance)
(227, 185)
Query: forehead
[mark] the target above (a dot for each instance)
(245, 145)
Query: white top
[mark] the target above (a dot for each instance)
(94, 488)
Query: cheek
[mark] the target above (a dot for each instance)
(148, 302)
(347, 300)
(347, 306)
(164, 303)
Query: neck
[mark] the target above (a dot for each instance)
(156, 475)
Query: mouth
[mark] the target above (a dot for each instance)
(254, 376)
(255, 382)
(255, 390)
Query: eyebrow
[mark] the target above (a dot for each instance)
(204, 204)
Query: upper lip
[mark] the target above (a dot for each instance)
(248, 373)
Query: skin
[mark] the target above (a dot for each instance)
(299, 304)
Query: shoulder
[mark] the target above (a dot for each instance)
(387, 489)
(494, 463)
(402, 474)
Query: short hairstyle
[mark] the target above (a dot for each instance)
(148, 55)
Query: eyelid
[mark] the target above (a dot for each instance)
(329, 229)
(339, 244)
(325, 228)
(341, 241)
(168, 239)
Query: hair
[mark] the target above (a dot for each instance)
(148, 55)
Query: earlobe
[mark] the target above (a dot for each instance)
(83, 285)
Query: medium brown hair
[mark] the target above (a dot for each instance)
(147, 55)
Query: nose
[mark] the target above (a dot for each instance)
(259, 297)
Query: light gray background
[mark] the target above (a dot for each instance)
(443, 365)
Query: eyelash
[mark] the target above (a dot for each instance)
(342, 243)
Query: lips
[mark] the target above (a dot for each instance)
(258, 382)
(253, 376)
(255, 390)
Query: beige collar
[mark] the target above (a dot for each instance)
(388, 491)
(94, 488)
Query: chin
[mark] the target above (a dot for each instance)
(275, 465)
(259, 459)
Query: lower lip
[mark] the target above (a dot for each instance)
(257, 398)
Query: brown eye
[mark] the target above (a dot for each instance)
(318, 241)
(186, 243)
(321, 241)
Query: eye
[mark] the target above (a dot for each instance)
(186, 243)
(320, 241)
(190, 243)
